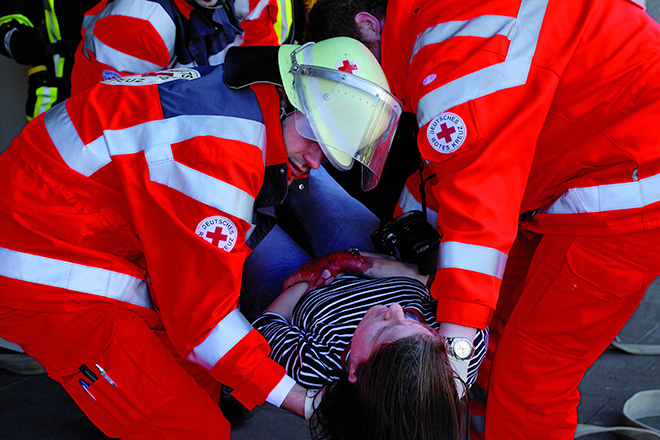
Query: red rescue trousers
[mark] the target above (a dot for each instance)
(158, 395)
(563, 300)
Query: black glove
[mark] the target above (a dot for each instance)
(26, 45)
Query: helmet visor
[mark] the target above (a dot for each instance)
(351, 118)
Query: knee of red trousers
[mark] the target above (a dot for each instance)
(153, 395)
(532, 393)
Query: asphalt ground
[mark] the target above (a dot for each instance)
(36, 407)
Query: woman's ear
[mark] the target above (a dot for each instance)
(352, 378)
(369, 27)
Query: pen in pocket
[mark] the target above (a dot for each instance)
(89, 374)
(85, 385)
(105, 376)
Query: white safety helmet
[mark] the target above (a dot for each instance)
(343, 95)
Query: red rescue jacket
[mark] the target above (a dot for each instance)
(539, 107)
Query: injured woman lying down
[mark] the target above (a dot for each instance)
(370, 344)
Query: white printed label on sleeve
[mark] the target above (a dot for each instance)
(160, 77)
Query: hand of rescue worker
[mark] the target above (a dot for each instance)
(323, 270)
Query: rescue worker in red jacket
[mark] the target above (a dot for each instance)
(123, 37)
(537, 129)
(127, 214)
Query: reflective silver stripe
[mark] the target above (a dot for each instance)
(258, 9)
(147, 11)
(155, 139)
(481, 259)
(241, 8)
(485, 26)
(75, 277)
(613, 197)
(86, 159)
(407, 203)
(123, 62)
(523, 34)
(222, 338)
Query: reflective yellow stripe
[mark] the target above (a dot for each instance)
(22, 19)
(59, 65)
(52, 24)
(284, 21)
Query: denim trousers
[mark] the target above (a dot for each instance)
(325, 219)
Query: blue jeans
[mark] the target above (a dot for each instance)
(330, 220)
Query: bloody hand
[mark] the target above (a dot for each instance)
(323, 270)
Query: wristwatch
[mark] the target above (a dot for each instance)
(460, 348)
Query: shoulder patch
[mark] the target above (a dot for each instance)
(446, 132)
(160, 77)
(220, 231)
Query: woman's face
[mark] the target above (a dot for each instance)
(381, 325)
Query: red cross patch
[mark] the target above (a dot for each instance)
(348, 66)
(219, 231)
(446, 133)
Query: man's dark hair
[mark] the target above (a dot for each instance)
(336, 18)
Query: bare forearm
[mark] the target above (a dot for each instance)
(295, 401)
(284, 304)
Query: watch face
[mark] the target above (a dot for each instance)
(462, 348)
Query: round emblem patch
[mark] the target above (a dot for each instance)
(446, 133)
(219, 231)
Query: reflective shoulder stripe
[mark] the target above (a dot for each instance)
(613, 197)
(220, 340)
(72, 276)
(481, 259)
(256, 12)
(523, 33)
(85, 159)
(149, 11)
(486, 26)
(407, 203)
(155, 139)
(121, 61)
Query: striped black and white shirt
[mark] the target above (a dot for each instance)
(324, 320)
